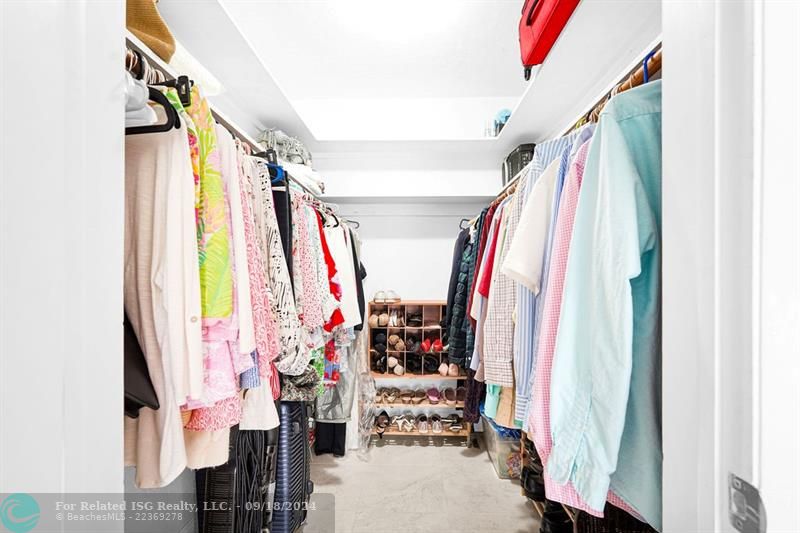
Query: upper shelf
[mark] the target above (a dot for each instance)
(603, 40)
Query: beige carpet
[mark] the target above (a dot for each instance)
(409, 488)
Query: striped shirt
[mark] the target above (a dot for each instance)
(524, 353)
(499, 326)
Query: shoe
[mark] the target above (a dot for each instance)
(372, 321)
(413, 347)
(392, 297)
(434, 396)
(406, 396)
(422, 424)
(449, 396)
(443, 369)
(453, 370)
(461, 395)
(426, 345)
(393, 319)
(379, 298)
(399, 370)
(383, 320)
(436, 424)
(400, 346)
(437, 347)
(415, 320)
(419, 396)
(380, 338)
(430, 365)
(393, 361)
(381, 423)
(392, 394)
(411, 421)
(379, 363)
(380, 348)
(393, 339)
(456, 425)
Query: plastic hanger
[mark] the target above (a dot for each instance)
(645, 69)
(173, 121)
(184, 87)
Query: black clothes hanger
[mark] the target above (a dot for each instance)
(461, 224)
(184, 87)
(270, 155)
(173, 121)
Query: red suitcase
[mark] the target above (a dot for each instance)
(541, 23)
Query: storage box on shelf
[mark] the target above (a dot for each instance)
(412, 321)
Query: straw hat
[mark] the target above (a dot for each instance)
(144, 21)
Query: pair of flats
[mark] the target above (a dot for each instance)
(430, 346)
(435, 424)
(392, 319)
(449, 370)
(386, 297)
(396, 343)
(448, 396)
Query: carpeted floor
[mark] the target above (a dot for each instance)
(408, 487)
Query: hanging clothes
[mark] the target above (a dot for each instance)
(282, 202)
(612, 287)
(161, 252)
(294, 355)
(499, 326)
(455, 271)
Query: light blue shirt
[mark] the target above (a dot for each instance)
(605, 408)
(524, 345)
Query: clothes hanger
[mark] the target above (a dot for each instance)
(461, 224)
(645, 69)
(184, 87)
(173, 121)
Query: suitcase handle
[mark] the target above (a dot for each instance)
(529, 19)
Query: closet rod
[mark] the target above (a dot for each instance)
(635, 78)
(156, 63)
(650, 65)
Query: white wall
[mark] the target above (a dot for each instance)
(777, 235)
(61, 222)
(414, 173)
(409, 248)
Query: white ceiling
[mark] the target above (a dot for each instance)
(381, 69)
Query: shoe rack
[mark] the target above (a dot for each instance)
(433, 313)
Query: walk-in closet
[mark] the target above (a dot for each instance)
(342, 266)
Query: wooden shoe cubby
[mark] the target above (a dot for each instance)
(431, 314)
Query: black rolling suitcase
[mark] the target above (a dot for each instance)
(235, 497)
(293, 486)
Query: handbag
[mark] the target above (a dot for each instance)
(139, 390)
